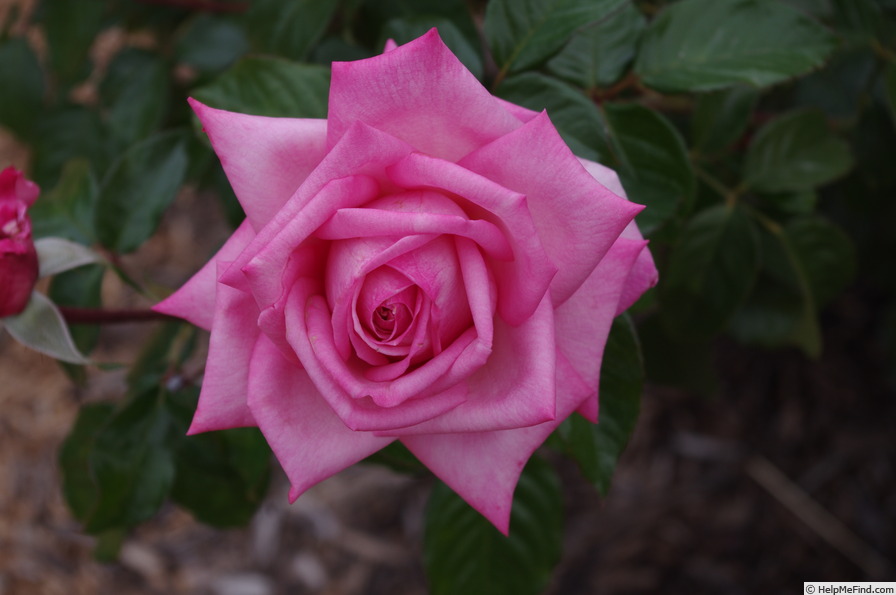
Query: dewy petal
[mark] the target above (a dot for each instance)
(265, 159)
(523, 281)
(222, 401)
(413, 90)
(362, 152)
(577, 218)
(195, 300)
(583, 321)
(309, 440)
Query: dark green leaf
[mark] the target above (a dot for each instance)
(464, 553)
(289, 29)
(598, 55)
(397, 457)
(138, 189)
(701, 45)
(82, 288)
(721, 117)
(403, 30)
(135, 94)
(22, 82)
(781, 310)
(711, 271)
(840, 87)
(270, 87)
(792, 202)
(825, 253)
(132, 464)
(576, 117)
(796, 152)
(890, 88)
(597, 447)
(78, 485)
(156, 359)
(523, 33)
(211, 43)
(68, 210)
(858, 19)
(71, 29)
(72, 132)
(653, 163)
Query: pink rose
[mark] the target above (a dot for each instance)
(429, 264)
(18, 259)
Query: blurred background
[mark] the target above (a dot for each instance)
(765, 450)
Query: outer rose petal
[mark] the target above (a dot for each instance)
(222, 401)
(414, 91)
(643, 275)
(577, 218)
(265, 159)
(195, 300)
(310, 442)
(483, 467)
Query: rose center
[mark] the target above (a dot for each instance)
(390, 320)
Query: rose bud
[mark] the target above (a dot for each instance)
(18, 259)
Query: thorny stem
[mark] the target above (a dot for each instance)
(102, 316)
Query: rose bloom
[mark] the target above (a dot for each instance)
(18, 259)
(429, 264)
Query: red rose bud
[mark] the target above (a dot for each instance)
(18, 259)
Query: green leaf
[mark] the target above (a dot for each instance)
(721, 117)
(597, 447)
(701, 45)
(72, 132)
(523, 33)
(41, 327)
(68, 210)
(71, 28)
(796, 152)
(270, 87)
(576, 117)
(598, 55)
(464, 553)
(81, 288)
(222, 477)
(289, 29)
(22, 82)
(138, 189)
(840, 88)
(135, 94)
(781, 310)
(156, 358)
(78, 486)
(211, 43)
(132, 464)
(653, 163)
(711, 271)
(57, 255)
(406, 29)
(826, 254)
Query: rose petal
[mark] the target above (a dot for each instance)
(265, 159)
(309, 440)
(413, 90)
(484, 467)
(362, 153)
(521, 282)
(583, 321)
(195, 300)
(225, 385)
(577, 218)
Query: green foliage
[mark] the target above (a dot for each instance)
(522, 34)
(701, 45)
(270, 87)
(597, 447)
(23, 87)
(520, 563)
(288, 29)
